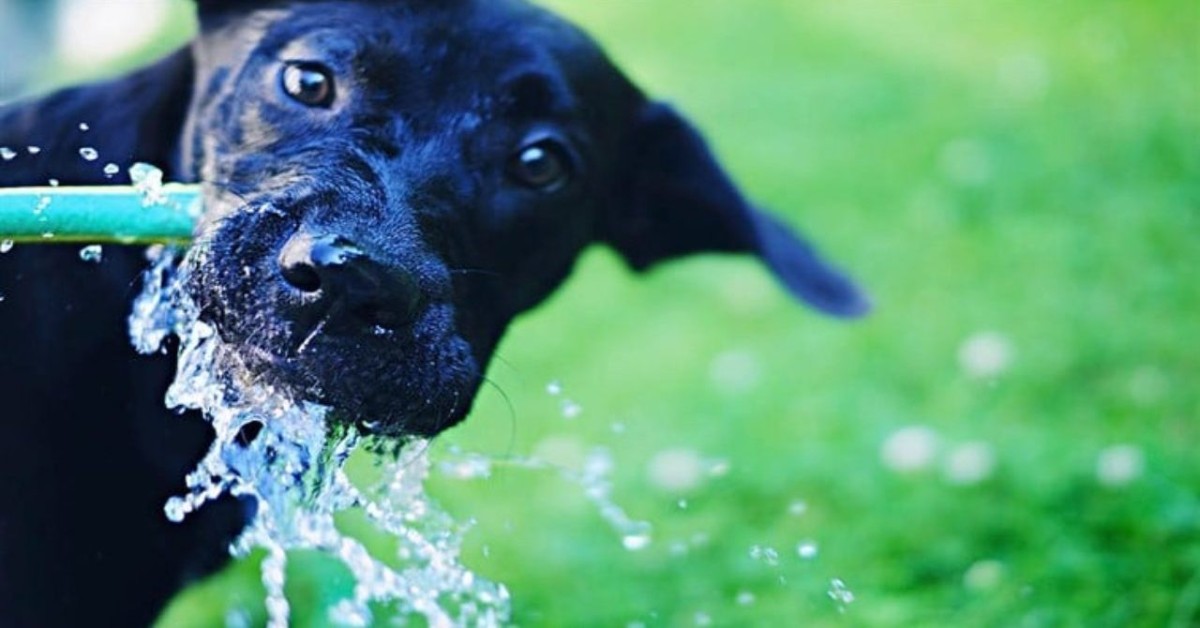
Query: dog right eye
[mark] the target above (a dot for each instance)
(309, 84)
(541, 165)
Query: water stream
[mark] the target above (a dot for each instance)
(290, 461)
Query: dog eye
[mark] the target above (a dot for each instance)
(309, 84)
(543, 165)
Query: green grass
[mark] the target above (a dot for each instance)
(1032, 169)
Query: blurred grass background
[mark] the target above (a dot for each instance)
(1009, 440)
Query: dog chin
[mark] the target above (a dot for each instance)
(385, 387)
(385, 384)
(416, 379)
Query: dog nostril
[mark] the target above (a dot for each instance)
(301, 276)
(249, 433)
(305, 261)
(354, 288)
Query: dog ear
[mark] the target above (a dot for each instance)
(211, 9)
(680, 201)
(211, 5)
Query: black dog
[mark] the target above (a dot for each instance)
(388, 184)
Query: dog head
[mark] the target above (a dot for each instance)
(389, 183)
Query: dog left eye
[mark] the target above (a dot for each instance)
(309, 84)
(542, 165)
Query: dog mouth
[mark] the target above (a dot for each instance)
(318, 318)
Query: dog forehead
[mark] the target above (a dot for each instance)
(444, 47)
(500, 27)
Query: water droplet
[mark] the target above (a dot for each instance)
(468, 467)
(719, 468)
(745, 598)
(570, 409)
(840, 593)
(798, 508)
(554, 388)
(6, 246)
(702, 619)
(683, 504)
(85, 127)
(42, 204)
(89, 154)
(149, 181)
(93, 253)
(7, 154)
(176, 509)
(768, 555)
(47, 235)
(635, 535)
(111, 170)
(636, 541)
(53, 183)
(807, 550)
(33, 150)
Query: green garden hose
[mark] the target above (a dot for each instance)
(107, 214)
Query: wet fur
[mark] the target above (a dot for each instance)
(410, 167)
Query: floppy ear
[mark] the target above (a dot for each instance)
(214, 12)
(679, 201)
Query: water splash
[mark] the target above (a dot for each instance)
(148, 181)
(594, 478)
(92, 254)
(285, 456)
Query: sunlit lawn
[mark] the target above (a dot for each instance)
(1024, 175)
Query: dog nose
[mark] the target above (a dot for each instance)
(347, 282)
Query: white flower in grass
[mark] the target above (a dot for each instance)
(1120, 465)
(676, 470)
(970, 463)
(986, 355)
(735, 372)
(909, 449)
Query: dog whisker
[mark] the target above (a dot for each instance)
(512, 413)
(317, 329)
(475, 271)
